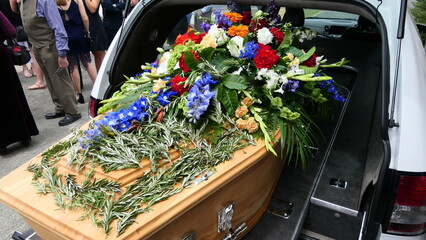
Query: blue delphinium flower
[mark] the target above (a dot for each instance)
(199, 97)
(120, 120)
(164, 97)
(250, 50)
(332, 89)
(324, 84)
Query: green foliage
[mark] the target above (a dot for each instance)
(419, 11)
(236, 82)
(228, 98)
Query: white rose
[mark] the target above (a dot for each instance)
(235, 45)
(219, 34)
(264, 36)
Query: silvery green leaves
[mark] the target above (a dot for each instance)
(105, 201)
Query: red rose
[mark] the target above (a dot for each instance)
(178, 85)
(182, 63)
(311, 62)
(246, 18)
(266, 57)
(278, 35)
(258, 24)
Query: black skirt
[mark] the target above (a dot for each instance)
(16, 121)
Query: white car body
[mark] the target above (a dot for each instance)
(408, 140)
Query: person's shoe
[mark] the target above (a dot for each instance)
(54, 115)
(68, 120)
(3, 150)
(80, 98)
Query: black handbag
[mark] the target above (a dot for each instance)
(20, 54)
(21, 35)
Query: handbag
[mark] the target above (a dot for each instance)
(20, 54)
(21, 35)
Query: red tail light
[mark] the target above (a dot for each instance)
(409, 210)
(94, 105)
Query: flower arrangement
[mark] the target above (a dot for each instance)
(210, 94)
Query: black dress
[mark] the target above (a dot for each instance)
(16, 121)
(97, 31)
(75, 29)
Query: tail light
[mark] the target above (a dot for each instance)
(94, 105)
(409, 210)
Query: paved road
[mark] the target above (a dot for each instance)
(40, 103)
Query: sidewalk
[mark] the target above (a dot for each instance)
(40, 103)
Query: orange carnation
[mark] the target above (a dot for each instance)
(234, 17)
(240, 30)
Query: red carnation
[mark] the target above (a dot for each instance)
(278, 35)
(311, 62)
(258, 24)
(182, 63)
(246, 18)
(178, 85)
(189, 36)
(266, 57)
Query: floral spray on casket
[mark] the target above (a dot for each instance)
(210, 94)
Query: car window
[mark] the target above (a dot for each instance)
(330, 24)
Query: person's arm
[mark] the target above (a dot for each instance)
(7, 30)
(92, 5)
(83, 15)
(14, 5)
(133, 2)
(49, 10)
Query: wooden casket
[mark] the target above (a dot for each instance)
(226, 204)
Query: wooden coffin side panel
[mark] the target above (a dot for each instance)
(250, 190)
(247, 179)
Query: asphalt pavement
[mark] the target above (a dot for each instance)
(40, 103)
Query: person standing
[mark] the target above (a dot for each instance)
(113, 17)
(16, 21)
(17, 122)
(97, 31)
(76, 24)
(49, 39)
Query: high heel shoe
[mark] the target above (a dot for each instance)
(80, 98)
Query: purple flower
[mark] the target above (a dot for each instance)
(292, 85)
(273, 15)
(250, 50)
(205, 26)
(222, 21)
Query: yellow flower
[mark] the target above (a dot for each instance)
(208, 41)
(240, 30)
(252, 125)
(241, 111)
(241, 124)
(290, 56)
(295, 62)
(234, 17)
